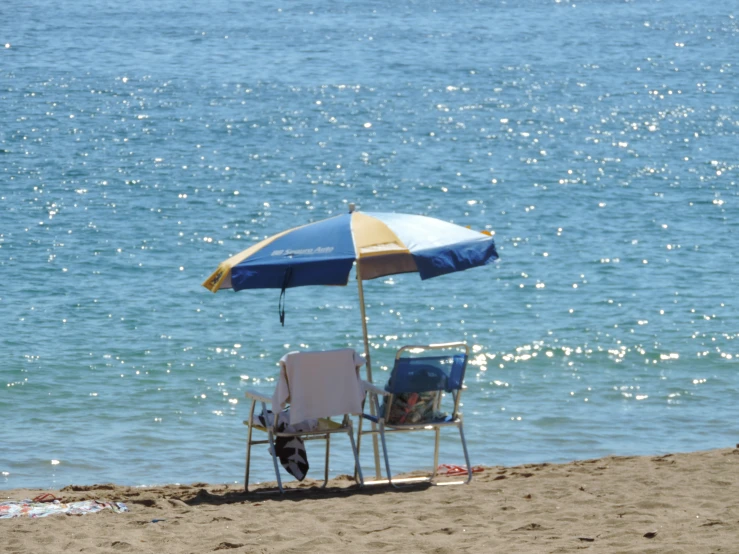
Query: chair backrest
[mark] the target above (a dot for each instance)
(320, 384)
(427, 373)
(428, 369)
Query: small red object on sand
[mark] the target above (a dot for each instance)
(446, 469)
(46, 497)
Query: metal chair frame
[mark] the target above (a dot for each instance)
(327, 427)
(383, 427)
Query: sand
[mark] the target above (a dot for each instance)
(673, 503)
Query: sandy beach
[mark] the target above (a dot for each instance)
(671, 503)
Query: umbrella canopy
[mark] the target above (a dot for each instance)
(323, 253)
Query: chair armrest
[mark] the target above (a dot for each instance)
(254, 395)
(373, 389)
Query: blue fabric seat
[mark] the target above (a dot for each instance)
(424, 381)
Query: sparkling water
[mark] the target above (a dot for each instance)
(141, 144)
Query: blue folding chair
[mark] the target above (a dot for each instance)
(413, 399)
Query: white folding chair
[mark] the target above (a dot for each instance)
(316, 386)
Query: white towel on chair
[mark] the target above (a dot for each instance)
(319, 384)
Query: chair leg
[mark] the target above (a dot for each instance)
(248, 443)
(374, 409)
(273, 451)
(359, 445)
(358, 477)
(384, 451)
(328, 450)
(437, 433)
(248, 459)
(466, 454)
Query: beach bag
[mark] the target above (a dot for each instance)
(412, 407)
(415, 407)
(290, 450)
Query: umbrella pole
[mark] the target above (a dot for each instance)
(375, 444)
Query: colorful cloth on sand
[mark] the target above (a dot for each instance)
(33, 509)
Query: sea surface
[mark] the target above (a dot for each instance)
(142, 143)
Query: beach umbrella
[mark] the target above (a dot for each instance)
(378, 244)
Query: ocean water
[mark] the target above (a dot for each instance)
(141, 144)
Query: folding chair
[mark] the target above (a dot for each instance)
(317, 386)
(412, 400)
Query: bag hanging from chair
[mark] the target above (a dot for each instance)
(290, 450)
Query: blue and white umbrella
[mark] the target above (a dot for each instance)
(380, 244)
